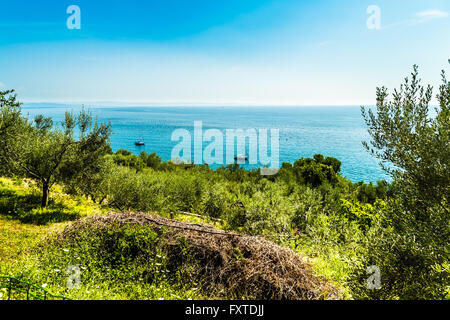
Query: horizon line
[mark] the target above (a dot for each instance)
(185, 104)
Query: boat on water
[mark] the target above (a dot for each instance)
(240, 157)
(139, 143)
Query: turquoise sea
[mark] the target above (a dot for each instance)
(303, 131)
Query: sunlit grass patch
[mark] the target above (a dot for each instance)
(119, 263)
(21, 199)
(23, 224)
(17, 239)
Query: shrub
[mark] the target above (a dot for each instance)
(215, 201)
(412, 145)
(316, 171)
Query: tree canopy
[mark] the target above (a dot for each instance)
(47, 153)
(412, 143)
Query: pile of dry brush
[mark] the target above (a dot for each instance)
(231, 265)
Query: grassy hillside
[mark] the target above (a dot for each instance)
(30, 250)
(27, 251)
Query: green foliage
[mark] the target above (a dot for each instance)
(369, 193)
(341, 226)
(127, 189)
(124, 152)
(412, 250)
(23, 204)
(316, 171)
(216, 202)
(96, 184)
(11, 125)
(50, 154)
(363, 214)
(280, 208)
(405, 135)
(123, 262)
(151, 160)
(307, 219)
(127, 159)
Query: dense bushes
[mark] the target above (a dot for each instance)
(327, 221)
(316, 171)
(151, 160)
(125, 158)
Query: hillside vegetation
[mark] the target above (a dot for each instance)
(327, 232)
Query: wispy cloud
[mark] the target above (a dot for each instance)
(432, 14)
(420, 17)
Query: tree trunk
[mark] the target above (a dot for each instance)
(45, 191)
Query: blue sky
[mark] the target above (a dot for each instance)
(208, 52)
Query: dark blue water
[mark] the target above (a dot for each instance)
(303, 131)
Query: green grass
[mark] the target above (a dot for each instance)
(124, 263)
(28, 251)
(16, 238)
(22, 225)
(20, 200)
(334, 266)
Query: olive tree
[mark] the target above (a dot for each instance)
(411, 140)
(50, 153)
(11, 124)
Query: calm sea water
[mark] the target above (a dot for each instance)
(303, 131)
